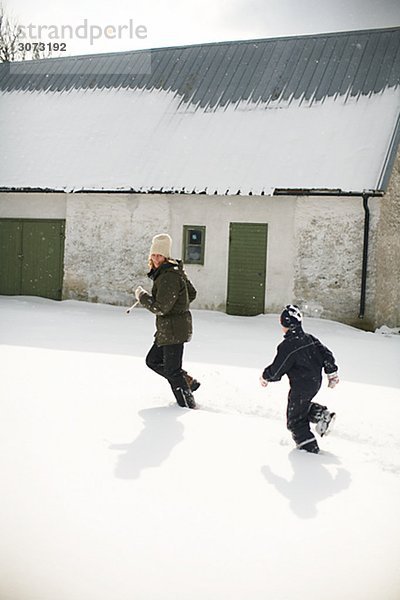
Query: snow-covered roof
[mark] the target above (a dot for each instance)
(310, 112)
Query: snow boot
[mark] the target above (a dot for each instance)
(192, 382)
(184, 398)
(325, 422)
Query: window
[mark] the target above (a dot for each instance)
(193, 244)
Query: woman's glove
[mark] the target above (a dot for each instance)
(139, 291)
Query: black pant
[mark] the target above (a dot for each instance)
(167, 362)
(301, 411)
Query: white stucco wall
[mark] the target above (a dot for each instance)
(35, 205)
(108, 237)
(329, 250)
(387, 267)
(216, 213)
(107, 242)
(314, 252)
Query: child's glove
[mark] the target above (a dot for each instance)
(263, 381)
(139, 291)
(333, 379)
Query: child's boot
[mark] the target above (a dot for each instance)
(309, 446)
(325, 422)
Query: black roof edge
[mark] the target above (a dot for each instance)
(277, 192)
(38, 190)
(5, 189)
(326, 192)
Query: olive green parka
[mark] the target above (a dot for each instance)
(169, 300)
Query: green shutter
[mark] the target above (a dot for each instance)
(32, 256)
(247, 268)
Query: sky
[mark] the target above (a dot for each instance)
(89, 26)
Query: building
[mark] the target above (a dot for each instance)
(273, 164)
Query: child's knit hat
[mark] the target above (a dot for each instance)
(291, 316)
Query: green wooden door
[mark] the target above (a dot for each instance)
(10, 256)
(247, 268)
(31, 257)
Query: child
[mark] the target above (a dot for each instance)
(301, 357)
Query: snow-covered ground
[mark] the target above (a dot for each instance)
(111, 492)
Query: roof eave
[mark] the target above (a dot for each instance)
(198, 192)
(326, 192)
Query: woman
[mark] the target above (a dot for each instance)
(169, 300)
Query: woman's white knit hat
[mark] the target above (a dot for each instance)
(161, 244)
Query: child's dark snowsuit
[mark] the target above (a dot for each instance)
(301, 357)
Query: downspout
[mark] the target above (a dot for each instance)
(365, 196)
(361, 314)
